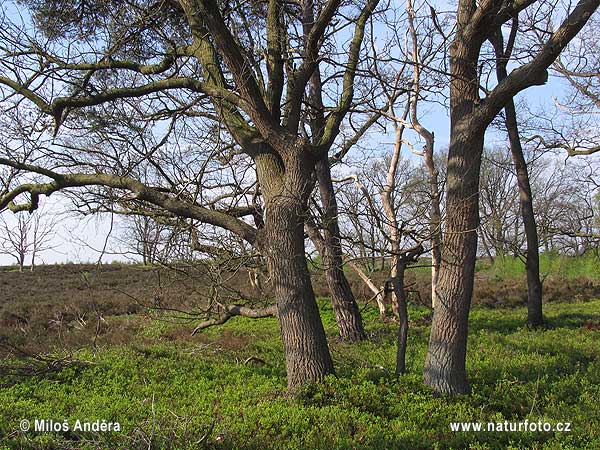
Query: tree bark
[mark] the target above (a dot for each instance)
(445, 369)
(400, 294)
(286, 185)
(532, 262)
(347, 314)
(345, 308)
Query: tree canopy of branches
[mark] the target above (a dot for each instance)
(192, 108)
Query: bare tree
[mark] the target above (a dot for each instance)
(26, 235)
(239, 73)
(154, 240)
(500, 225)
(15, 239)
(470, 116)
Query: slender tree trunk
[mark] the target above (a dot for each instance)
(286, 187)
(344, 304)
(486, 247)
(378, 293)
(400, 294)
(532, 262)
(435, 214)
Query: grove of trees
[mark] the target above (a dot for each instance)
(252, 132)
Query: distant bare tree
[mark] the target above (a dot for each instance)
(154, 240)
(26, 235)
(498, 208)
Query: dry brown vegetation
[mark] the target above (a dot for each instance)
(72, 306)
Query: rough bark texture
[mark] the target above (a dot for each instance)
(286, 186)
(445, 368)
(469, 117)
(400, 294)
(347, 314)
(445, 365)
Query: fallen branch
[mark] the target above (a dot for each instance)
(26, 364)
(237, 310)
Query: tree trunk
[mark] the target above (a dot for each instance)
(400, 294)
(435, 217)
(445, 369)
(286, 190)
(344, 304)
(532, 262)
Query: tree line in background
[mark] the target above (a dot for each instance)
(236, 132)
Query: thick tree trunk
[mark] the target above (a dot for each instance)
(445, 365)
(532, 263)
(445, 368)
(306, 352)
(286, 188)
(347, 314)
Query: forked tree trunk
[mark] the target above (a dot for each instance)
(469, 117)
(286, 190)
(347, 314)
(345, 308)
(445, 365)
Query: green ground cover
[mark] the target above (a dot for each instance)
(200, 393)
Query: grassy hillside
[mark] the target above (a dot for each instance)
(551, 265)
